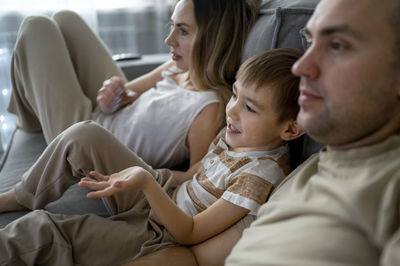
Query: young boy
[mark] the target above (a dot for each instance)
(245, 162)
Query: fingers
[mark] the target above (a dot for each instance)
(128, 96)
(117, 99)
(97, 181)
(99, 176)
(113, 81)
(109, 95)
(112, 87)
(101, 193)
(101, 190)
(101, 184)
(86, 179)
(93, 185)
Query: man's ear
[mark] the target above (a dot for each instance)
(291, 131)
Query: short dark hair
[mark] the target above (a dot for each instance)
(273, 69)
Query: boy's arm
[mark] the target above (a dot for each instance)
(188, 229)
(185, 228)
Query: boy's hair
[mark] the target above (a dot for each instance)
(272, 69)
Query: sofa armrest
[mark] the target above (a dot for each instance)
(137, 67)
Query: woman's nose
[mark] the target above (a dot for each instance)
(170, 40)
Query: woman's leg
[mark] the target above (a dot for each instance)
(56, 71)
(46, 92)
(91, 58)
(42, 238)
(83, 147)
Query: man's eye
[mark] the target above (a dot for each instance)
(183, 32)
(336, 45)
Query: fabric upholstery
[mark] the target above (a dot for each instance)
(278, 25)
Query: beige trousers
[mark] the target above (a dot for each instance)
(57, 68)
(53, 239)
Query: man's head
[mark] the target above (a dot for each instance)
(350, 73)
(262, 111)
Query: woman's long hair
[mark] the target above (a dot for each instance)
(222, 29)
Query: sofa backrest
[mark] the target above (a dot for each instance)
(278, 25)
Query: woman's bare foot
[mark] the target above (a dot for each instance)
(8, 202)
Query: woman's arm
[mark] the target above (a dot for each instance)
(181, 176)
(115, 94)
(185, 228)
(149, 80)
(202, 132)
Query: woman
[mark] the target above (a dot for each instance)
(174, 111)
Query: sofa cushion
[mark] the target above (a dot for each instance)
(23, 150)
(278, 25)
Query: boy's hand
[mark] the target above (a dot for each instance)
(113, 95)
(107, 185)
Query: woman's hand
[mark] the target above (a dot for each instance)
(107, 185)
(113, 95)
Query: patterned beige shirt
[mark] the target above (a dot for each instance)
(242, 178)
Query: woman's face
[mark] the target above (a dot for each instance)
(183, 32)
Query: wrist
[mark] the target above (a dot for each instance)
(147, 181)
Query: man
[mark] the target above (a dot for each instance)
(341, 207)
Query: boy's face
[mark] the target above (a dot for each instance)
(251, 119)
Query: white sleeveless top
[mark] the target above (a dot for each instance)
(155, 126)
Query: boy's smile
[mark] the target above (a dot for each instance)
(231, 129)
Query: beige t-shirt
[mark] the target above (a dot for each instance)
(338, 208)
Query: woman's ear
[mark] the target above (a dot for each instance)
(291, 131)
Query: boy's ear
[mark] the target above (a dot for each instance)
(291, 131)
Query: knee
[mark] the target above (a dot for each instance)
(85, 132)
(35, 29)
(65, 16)
(37, 24)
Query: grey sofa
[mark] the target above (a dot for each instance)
(278, 26)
